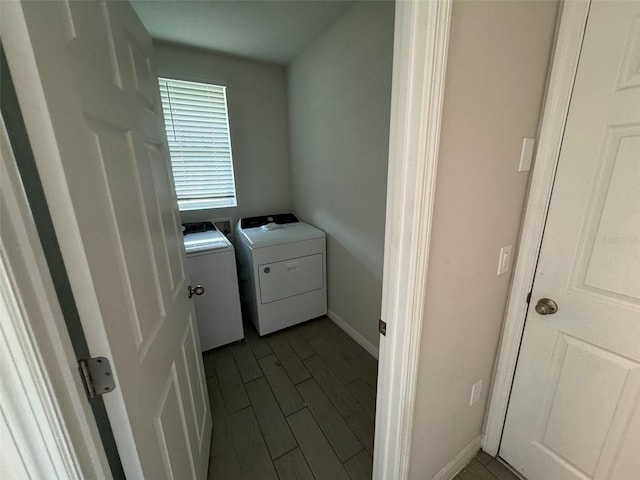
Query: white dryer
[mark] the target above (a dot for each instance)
(282, 271)
(211, 263)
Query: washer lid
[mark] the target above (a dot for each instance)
(201, 241)
(266, 235)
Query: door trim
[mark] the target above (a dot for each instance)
(556, 108)
(419, 66)
(47, 417)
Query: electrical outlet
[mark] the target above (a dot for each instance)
(504, 260)
(476, 390)
(225, 225)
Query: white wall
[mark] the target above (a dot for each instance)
(258, 119)
(339, 102)
(498, 58)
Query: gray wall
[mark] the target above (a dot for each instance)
(339, 103)
(258, 119)
(497, 64)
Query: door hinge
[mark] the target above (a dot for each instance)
(96, 376)
(529, 297)
(382, 327)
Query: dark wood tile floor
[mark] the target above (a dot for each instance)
(296, 404)
(485, 467)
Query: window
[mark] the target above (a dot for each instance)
(197, 122)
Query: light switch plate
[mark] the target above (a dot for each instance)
(526, 155)
(504, 260)
(476, 390)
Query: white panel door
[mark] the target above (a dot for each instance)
(575, 406)
(101, 152)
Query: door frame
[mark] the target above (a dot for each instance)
(421, 40)
(568, 45)
(419, 66)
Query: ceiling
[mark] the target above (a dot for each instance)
(268, 30)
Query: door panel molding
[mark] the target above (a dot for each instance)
(560, 87)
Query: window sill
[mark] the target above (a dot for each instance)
(206, 204)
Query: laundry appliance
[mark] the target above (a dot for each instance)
(282, 271)
(211, 264)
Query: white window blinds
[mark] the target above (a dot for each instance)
(197, 122)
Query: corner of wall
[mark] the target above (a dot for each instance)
(353, 333)
(339, 96)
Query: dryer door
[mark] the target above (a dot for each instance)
(294, 276)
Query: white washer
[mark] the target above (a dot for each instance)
(282, 271)
(211, 263)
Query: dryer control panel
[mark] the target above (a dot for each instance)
(279, 218)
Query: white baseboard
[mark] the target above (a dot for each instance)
(460, 461)
(349, 330)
